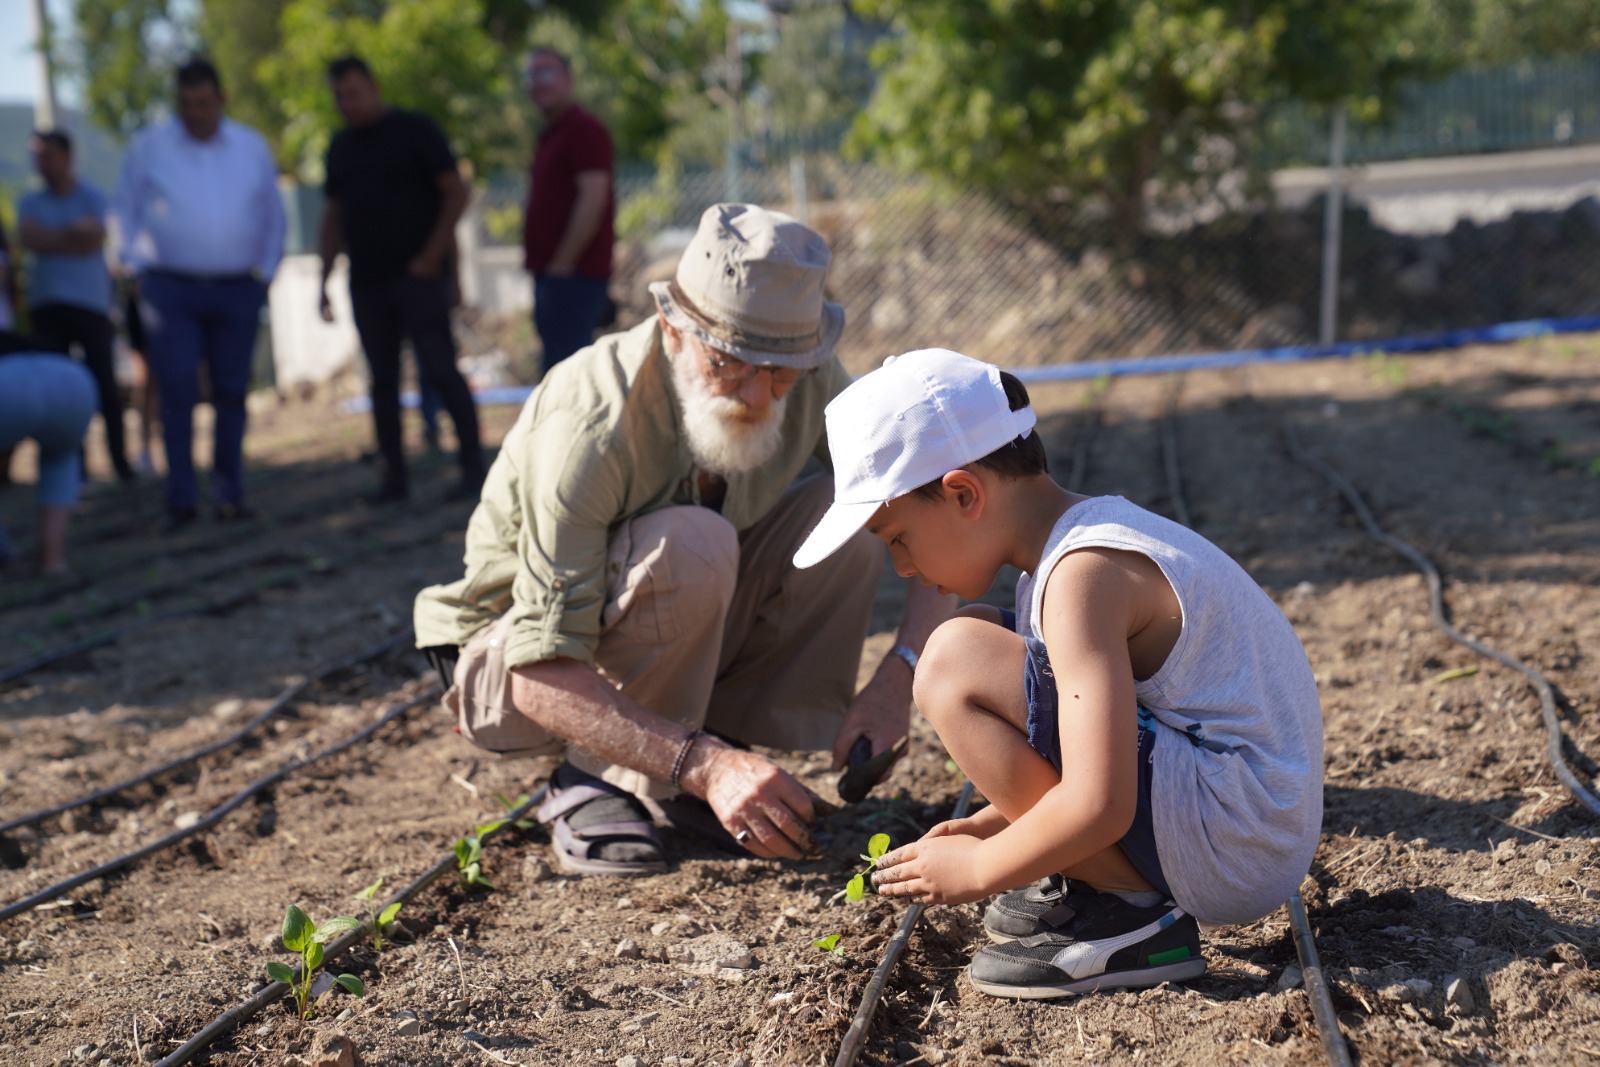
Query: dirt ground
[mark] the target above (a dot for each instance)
(1453, 897)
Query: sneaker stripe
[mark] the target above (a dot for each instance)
(1083, 959)
(1172, 955)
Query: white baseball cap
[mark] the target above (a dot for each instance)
(910, 422)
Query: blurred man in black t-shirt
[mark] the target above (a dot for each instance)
(392, 200)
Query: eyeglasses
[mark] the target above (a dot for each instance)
(536, 75)
(737, 370)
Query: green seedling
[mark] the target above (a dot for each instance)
(856, 888)
(830, 944)
(299, 935)
(513, 805)
(469, 858)
(381, 920)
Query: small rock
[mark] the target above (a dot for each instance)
(170, 963)
(679, 1061)
(1541, 867)
(1463, 942)
(657, 929)
(624, 903)
(333, 1050)
(738, 1061)
(633, 1026)
(85, 1052)
(1397, 993)
(536, 870)
(473, 1035)
(186, 820)
(630, 1061)
(1420, 987)
(345, 1016)
(264, 1030)
(1303, 589)
(1291, 978)
(1557, 968)
(715, 950)
(782, 998)
(407, 1024)
(1458, 994)
(627, 949)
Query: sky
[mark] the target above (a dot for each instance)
(19, 71)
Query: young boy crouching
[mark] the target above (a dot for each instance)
(1145, 726)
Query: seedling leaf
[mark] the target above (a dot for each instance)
(490, 827)
(830, 944)
(280, 973)
(297, 929)
(313, 956)
(386, 916)
(351, 984)
(855, 889)
(878, 845)
(328, 930)
(367, 893)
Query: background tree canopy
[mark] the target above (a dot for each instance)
(1030, 99)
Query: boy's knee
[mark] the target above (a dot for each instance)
(945, 661)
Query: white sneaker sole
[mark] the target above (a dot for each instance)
(1143, 978)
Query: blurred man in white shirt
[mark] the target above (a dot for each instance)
(202, 227)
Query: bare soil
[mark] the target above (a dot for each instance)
(1450, 851)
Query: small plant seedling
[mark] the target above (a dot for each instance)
(513, 805)
(299, 935)
(830, 944)
(380, 920)
(877, 845)
(469, 858)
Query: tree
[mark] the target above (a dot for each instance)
(817, 74)
(1028, 99)
(125, 56)
(237, 35)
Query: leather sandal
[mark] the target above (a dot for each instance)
(587, 816)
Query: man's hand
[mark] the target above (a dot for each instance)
(424, 265)
(934, 870)
(558, 269)
(325, 306)
(749, 793)
(881, 712)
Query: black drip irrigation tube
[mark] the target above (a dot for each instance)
(281, 701)
(275, 991)
(1305, 946)
(1541, 685)
(216, 814)
(210, 607)
(856, 1036)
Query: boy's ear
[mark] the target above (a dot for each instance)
(965, 489)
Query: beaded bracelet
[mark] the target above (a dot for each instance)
(683, 756)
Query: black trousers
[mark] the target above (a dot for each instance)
(386, 312)
(91, 331)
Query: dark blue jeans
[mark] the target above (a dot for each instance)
(566, 312)
(187, 322)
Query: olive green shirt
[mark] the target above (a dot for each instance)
(599, 441)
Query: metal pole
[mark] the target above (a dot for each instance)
(797, 188)
(44, 108)
(1332, 216)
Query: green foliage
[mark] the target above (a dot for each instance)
(300, 935)
(1449, 33)
(1384, 369)
(469, 859)
(830, 944)
(813, 75)
(513, 805)
(1027, 99)
(432, 56)
(127, 52)
(877, 845)
(378, 920)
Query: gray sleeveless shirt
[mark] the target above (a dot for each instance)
(1236, 789)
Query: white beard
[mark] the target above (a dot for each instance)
(724, 435)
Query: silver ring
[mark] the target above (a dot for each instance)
(742, 836)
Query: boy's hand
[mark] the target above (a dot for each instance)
(934, 870)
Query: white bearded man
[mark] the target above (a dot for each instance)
(629, 601)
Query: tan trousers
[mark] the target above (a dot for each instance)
(705, 627)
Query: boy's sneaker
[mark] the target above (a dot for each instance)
(1041, 908)
(1107, 944)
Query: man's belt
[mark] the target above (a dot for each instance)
(202, 277)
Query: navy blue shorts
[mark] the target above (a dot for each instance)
(1044, 737)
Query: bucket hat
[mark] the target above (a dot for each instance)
(750, 285)
(910, 422)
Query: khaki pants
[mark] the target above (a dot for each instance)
(705, 627)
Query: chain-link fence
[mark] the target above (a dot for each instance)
(1424, 247)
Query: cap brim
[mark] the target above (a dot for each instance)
(839, 523)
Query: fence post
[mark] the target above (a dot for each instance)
(1332, 217)
(797, 188)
